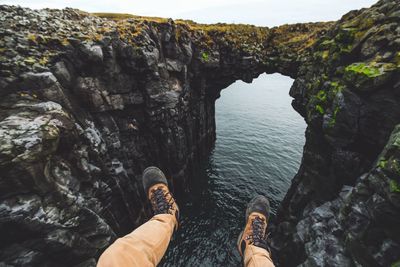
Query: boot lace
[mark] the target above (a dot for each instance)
(160, 202)
(258, 237)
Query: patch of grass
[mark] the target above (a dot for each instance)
(122, 16)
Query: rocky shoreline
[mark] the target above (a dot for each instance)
(87, 102)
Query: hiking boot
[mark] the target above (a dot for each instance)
(156, 187)
(254, 233)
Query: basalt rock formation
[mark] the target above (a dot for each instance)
(88, 101)
(343, 207)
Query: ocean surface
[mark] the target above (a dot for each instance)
(258, 151)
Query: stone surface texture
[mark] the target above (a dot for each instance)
(343, 207)
(87, 101)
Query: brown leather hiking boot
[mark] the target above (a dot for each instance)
(156, 187)
(254, 233)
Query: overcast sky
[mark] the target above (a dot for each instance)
(258, 12)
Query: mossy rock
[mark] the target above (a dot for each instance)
(395, 264)
(332, 120)
(205, 57)
(368, 76)
(391, 165)
(394, 186)
(365, 70)
(319, 109)
(322, 96)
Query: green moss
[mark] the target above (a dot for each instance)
(382, 164)
(332, 121)
(395, 264)
(334, 84)
(336, 87)
(325, 55)
(31, 37)
(367, 70)
(319, 109)
(394, 186)
(397, 59)
(318, 98)
(395, 166)
(346, 49)
(205, 56)
(321, 96)
(327, 43)
(391, 165)
(30, 60)
(43, 61)
(346, 35)
(331, 93)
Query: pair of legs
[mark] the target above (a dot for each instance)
(146, 245)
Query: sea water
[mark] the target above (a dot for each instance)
(258, 150)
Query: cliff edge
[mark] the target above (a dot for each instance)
(87, 101)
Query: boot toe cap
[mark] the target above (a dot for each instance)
(258, 204)
(151, 176)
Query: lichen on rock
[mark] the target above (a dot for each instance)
(89, 100)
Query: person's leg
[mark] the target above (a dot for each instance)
(146, 245)
(252, 242)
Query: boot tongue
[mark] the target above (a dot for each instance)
(258, 227)
(258, 215)
(155, 187)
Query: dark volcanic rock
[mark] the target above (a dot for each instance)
(88, 102)
(347, 94)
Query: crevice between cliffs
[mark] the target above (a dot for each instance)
(87, 102)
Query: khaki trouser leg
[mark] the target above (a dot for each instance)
(257, 257)
(145, 246)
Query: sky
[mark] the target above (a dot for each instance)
(257, 12)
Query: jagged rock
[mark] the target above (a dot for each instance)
(31, 134)
(88, 102)
(62, 73)
(350, 106)
(174, 65)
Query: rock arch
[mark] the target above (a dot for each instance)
(87, 102)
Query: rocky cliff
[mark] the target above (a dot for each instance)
(343, 207)
(88, 101)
